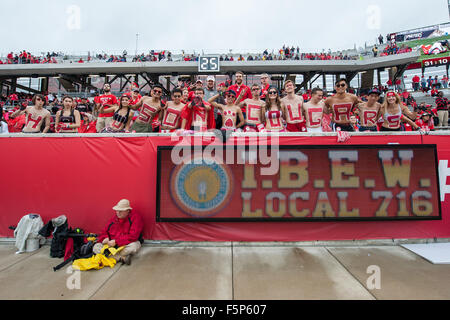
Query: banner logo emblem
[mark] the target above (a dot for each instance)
(201, 189)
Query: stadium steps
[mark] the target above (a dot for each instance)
(427, 98)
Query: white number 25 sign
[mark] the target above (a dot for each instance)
(208, 64)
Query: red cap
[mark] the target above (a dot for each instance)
(390, 94)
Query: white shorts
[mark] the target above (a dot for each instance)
(315, 130)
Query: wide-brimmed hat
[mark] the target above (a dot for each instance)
(123, 205)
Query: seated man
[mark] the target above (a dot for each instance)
(124, 229)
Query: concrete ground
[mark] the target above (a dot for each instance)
(231, 271)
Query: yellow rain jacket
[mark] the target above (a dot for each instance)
(98, 261)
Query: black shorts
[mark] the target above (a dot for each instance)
(391, 130)
(372, 129)
(344, 127)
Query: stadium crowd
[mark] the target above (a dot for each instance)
(226, 106)
(25, 57)
(284, 53)
(430, 84)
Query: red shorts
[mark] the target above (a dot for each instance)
(296, 127)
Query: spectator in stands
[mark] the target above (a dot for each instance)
(392, 111)
(221, 89)
(13, 99)
(210, 92)
(434, 92)
(149, 111)
(122, 116)
(442, 104)
(274, 112)
(398, 84)
(375, 51)
(123, 230)
(3, 124)
(436, 82)
(294, 105)
(265, 83)
(425, 122)
(341, 105)
(67, 120)
(416, 82)
(369, 112)
(133, 93)
(423, 83)
(354, 122)
(37, 117)
(171, 117)
(88, 124)
(390, 84)
(429, 83)
(106, 100)
(240, 88)
(444, 82)
(252, 110)
(185, 98)
(84, 106)
(198, 85)
(74, 103)
(231, 112)
(198, 114)
(313, 111)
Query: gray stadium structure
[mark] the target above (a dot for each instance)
(77, 75)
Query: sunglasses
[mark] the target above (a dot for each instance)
(231, 96)
(273, 92)
(342, 85)
(255, 89)
(177, 96)
(157, 91)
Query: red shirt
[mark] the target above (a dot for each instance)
(124, 231)
(427, 126)
(106, 100)
(16, 124)
(416, 79)
(88, 128)
(239, 89)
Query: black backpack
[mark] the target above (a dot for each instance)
(58, 245)
(81, 250)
